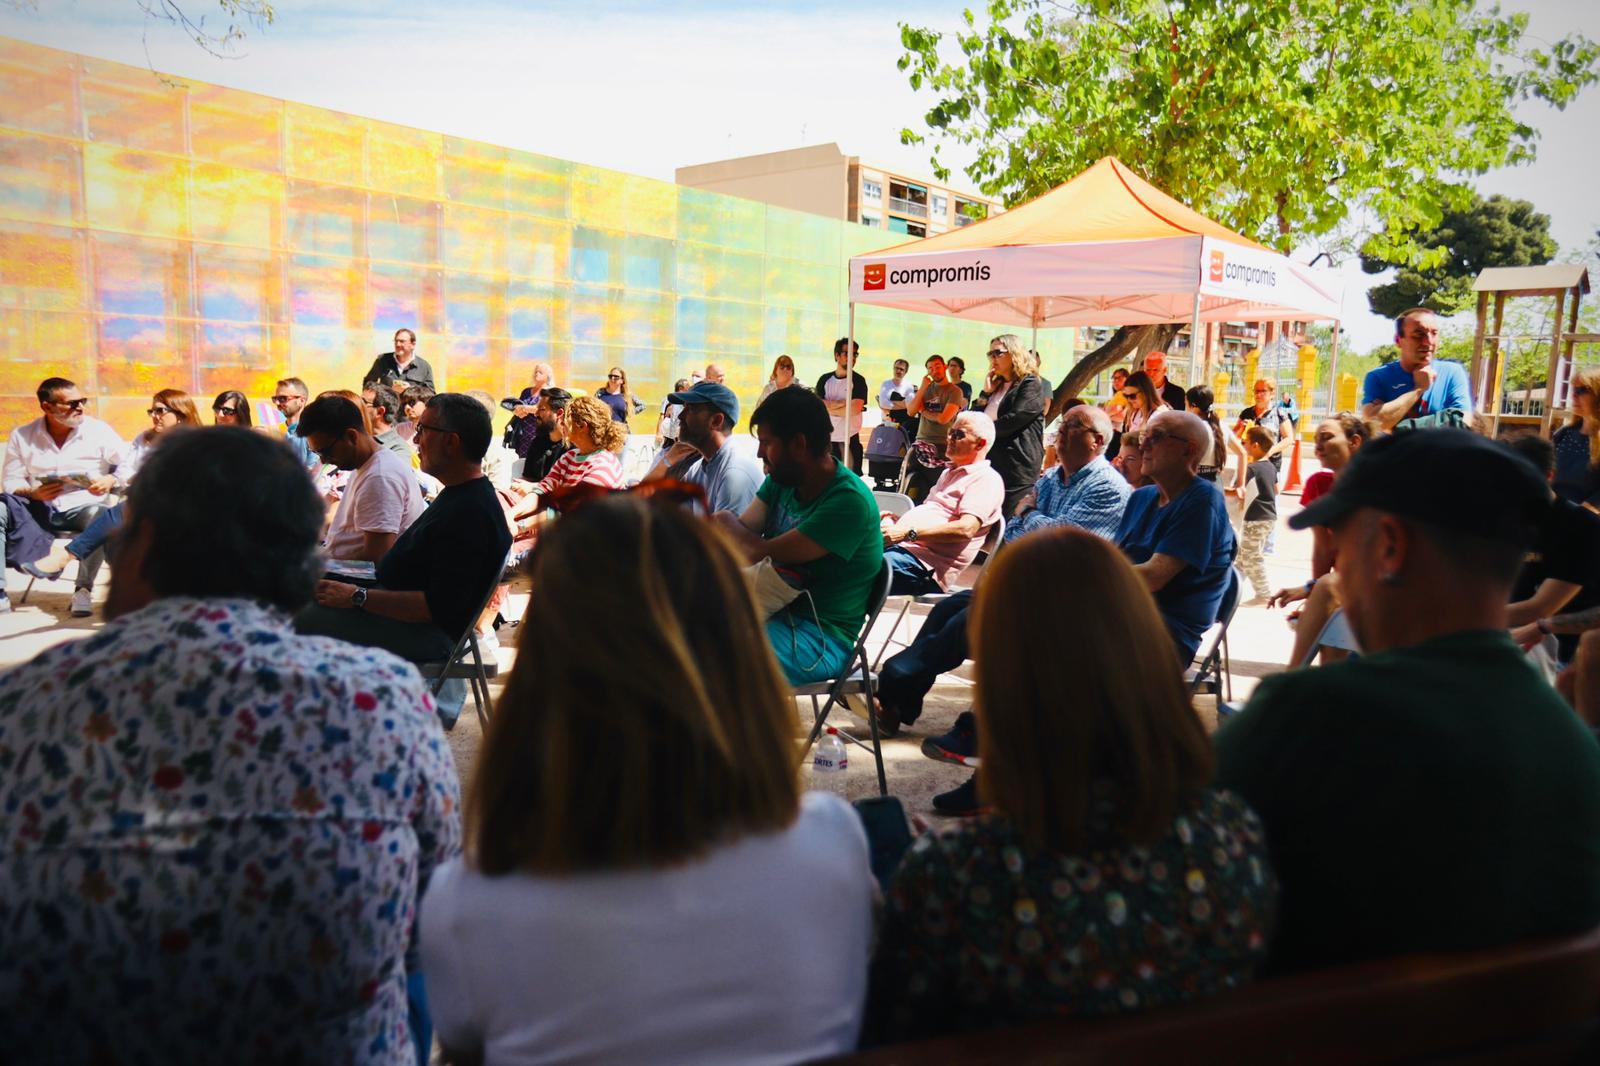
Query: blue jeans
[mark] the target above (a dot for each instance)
(99, 531)
(940, 645)
(803, 650)
(910, 576)
(81, 520)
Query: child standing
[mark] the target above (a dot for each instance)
(1260, 494)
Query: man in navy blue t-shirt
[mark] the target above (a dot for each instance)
(1176, 531)
(1415, 385)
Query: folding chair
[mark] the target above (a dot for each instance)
(478, 672)
(65, 535)
(991, 544)
(1212, 670)
(1335, 633)
(848, 682)
(896, 503)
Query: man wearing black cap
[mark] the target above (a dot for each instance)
(729, 476)
(1435, 794)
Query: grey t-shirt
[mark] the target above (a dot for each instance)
(730, 479)
(934, 403)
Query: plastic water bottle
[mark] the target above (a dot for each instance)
(830, 765)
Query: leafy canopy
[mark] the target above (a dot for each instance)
(1495, 232)
(1283, 119)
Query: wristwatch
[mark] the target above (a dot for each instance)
(358, 598)
(911, 534)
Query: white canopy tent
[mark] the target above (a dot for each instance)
(1106, 248)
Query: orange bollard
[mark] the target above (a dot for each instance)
(1293, 484)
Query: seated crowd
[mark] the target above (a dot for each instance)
(235, 831)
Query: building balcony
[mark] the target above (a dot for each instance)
(964, 220)
(908, 207)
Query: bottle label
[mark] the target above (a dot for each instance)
(823, 764)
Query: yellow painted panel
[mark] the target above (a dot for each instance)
(404, 160)
(39, 179)
(131, 108)
(474, 239)
(325, 145)
(138, 357)
(134, 192)
(141, 276)
(35, 345)
(239, 129)
(232, 205)
(42, 268)
(37, 89)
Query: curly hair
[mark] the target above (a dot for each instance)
(593, 415)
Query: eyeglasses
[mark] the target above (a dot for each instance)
(1156, 436)
(225, 410)
(76, 405)
(159, 411)
(424, 427)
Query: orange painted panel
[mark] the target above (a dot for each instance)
(42, 267)
(232, 205)
(238, 129)
(37, 89)
(141, 356)
(325, 145)
(40, 179)
(131, 108)
(404, 160)
(35, 345)
(135, 192)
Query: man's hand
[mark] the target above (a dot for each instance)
(46, 492)
(1028, 502)
(335, 594)
(893, 535)
(523, 410)
(1284, 597)
(1422, 377)
(102, 485)
(679, 452)
(1527, 636)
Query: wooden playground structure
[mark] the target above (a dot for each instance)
(1566, 283)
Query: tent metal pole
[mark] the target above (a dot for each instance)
(1194, 338)
(1333, 371)
(849, 379)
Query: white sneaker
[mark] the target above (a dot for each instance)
(82, 603)
(489, 646)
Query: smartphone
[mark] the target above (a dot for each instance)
(888, 835)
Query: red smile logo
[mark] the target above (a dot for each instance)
(873, 275)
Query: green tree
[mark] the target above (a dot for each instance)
(1283, 119)
(1495, 232)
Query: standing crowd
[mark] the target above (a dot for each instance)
(235, 832)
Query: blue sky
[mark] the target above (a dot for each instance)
(646, 88)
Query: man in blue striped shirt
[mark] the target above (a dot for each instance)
(1083, 490)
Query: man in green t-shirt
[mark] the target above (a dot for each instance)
(818, 523)
(1435, 794)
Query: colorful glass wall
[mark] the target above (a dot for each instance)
(156, 233)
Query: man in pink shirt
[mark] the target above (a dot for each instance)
(934, 541)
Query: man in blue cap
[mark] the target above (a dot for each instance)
(729, 476)
(1434, 794)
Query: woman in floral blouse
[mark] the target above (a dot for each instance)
(1108, 876)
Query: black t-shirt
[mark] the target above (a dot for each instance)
(542, 456)
(1568, 550)
(1265, 506)
(1173, 396)
(453, 554)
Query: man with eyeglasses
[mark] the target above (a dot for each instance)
(435, 578)
(60, 466)
(403, 367)
(1176, 531)
(290, 398)
(382, 498)
(384, 408)
(1171, 393)
(929, 545)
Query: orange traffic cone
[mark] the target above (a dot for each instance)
(1293, 484)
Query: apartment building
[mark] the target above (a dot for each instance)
(823, 180)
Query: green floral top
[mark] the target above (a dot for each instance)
(981, 929)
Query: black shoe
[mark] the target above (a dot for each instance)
(888, 719)
(962, 800)
(959, 745)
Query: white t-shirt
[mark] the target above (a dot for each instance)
(381, 497)
(755, 954)
(837, 390)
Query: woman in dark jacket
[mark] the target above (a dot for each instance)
(1015, 397)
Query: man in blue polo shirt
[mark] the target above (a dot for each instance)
(1415, 386)
(1176, 531)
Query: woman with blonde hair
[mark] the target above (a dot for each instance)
(616, 395)
(523, 427)
(1108, 876)
(781, 378)
(1015, 399)
(1577, 443)
(596, 439)
(642, 881)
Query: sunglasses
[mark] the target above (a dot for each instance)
(76, 405)
(613, 377)
(159, 410)
(995, 353)
(225, 410)
(1130, 396)
(284, 399)
(958, 434)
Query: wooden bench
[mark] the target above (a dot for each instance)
(1531, 1003)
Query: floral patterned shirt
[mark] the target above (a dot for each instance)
(982, 929)
(216, 835)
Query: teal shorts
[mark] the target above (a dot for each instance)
(803, 650)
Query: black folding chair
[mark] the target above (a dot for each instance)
(855, 676)
(477, 673)
(1212, 669)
